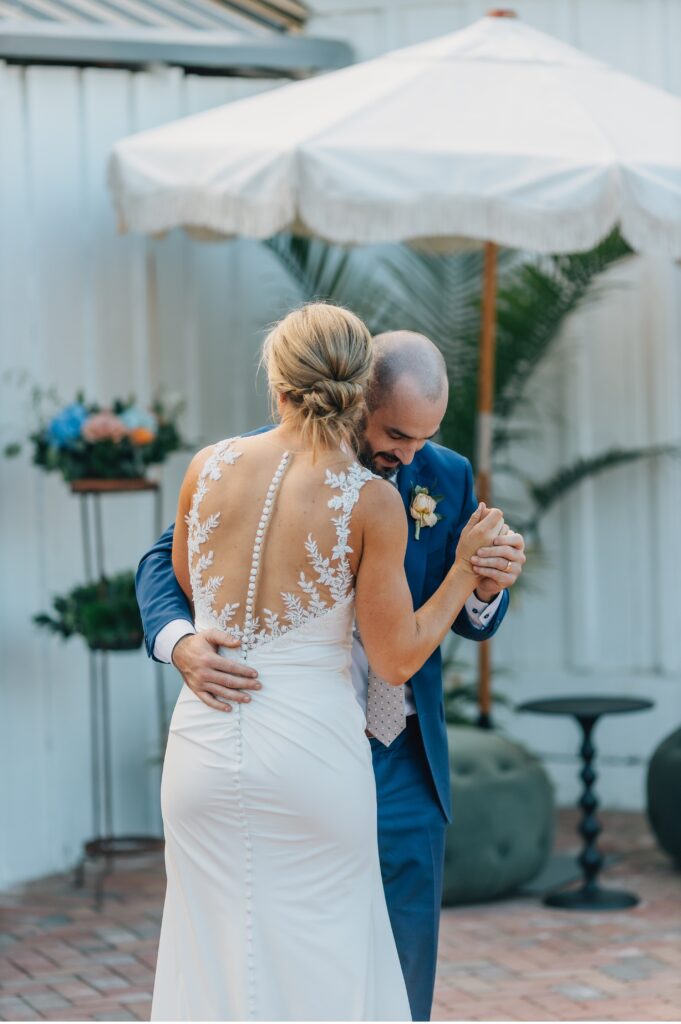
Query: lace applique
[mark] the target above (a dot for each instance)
(204, 591)
(333, 572)
(338, 578)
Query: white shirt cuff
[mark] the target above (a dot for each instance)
(481, 612)
(168, 637)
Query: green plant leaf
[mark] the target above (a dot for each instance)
(105, 613)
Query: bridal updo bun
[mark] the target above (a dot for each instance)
(319, 358)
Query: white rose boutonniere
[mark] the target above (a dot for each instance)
(422, 508)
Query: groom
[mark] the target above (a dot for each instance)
(407, 399)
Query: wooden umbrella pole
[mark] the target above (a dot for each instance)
(484, 444)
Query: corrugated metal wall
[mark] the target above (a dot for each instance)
(604, 614)
(75, 312)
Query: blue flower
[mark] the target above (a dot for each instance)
(65, 427)
(133, 418)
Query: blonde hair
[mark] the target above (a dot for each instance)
(319, 357)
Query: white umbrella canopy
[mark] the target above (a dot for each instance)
(497, 132)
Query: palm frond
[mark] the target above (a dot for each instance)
(534, 300)
(545, 494)
(317, 268)
(331, 273)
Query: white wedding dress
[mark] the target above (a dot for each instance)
(274, 907)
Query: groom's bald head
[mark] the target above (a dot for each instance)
(406, 358)
(406, 399)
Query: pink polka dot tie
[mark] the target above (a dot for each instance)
(385, 709)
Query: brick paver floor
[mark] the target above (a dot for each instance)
(513, 959)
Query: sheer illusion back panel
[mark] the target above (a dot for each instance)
(270, 537)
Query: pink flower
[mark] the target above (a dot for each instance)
(102, 426)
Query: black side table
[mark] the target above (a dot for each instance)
(587, 711)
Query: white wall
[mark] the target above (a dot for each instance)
(601, 612)
(74, 312)
(74, 304)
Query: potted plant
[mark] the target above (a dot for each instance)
(104, 613)
(97, 447)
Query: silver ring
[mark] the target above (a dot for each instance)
(509, 565)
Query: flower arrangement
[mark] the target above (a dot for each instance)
(85, 440)
(104, 613)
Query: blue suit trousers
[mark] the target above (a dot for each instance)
(411, 842)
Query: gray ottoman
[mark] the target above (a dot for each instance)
(501, 835)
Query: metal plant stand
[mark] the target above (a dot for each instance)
(587, 711)
(105, 846)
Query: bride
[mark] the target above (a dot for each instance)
(274, 906)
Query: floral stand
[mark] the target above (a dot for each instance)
(105, 845)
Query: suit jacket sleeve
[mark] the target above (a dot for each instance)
(159, 595)
(462, 624)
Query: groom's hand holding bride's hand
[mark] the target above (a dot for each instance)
(499, 563)
(483, 527)
(209, 674)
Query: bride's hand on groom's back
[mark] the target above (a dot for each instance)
(217, 680)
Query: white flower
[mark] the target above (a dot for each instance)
(422, 509)
(423, 506)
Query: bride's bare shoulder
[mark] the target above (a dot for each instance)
(381, 503)
(198, 461)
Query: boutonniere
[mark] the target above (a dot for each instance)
(422, 508)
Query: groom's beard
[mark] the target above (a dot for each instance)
(368, 459)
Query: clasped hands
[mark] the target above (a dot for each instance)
(491, 551)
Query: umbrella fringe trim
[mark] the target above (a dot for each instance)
(513, 226)
(160, 211)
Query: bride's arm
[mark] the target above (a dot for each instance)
(397, 639)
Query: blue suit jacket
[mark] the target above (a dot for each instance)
(427, 562)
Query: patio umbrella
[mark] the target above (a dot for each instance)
(498, 134)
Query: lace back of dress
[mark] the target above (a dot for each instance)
(251, 623)
(321, 581)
